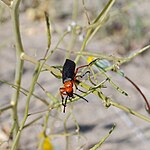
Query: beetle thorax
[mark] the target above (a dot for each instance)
(69, 86)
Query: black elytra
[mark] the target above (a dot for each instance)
(68, 72)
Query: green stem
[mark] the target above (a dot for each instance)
(34, 80)
(46, 122)
(19, 63)
(52, 69)
(6, 2)
(99, 19)
(134, 54)
(25, 92)
(108, 102)
(5, 108)
(84, 44)
(75, 10)
(66, 131)
(32, 122)
(98, 145)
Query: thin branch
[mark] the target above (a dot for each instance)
(98, 145)
(34, 80)
(5, 108)
(6, 2)
(100, 18)
(19, 63)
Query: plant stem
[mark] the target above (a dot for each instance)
(6, 2)
(99, 19)
(25, 92)
(108, 102)
(19, 64)
(34, 80)
(52, 70)
(5, 108)
(99, 144)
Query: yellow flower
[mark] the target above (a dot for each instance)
(47, 145)
(90, 59)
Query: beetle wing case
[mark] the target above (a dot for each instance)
(68, 70)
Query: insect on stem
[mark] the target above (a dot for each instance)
(69, 78)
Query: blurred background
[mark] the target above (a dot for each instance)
(127, 29)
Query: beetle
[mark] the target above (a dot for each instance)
(69, 78)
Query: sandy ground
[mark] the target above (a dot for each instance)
(94, 120)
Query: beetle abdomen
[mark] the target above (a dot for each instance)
(68, 70)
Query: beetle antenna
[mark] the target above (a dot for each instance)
(81, 97)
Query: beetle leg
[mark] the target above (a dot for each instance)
(81, 97)
(79, 68)
(81, 76)
(78, 88)
(64, 104)
(62, 90)
(90, 64)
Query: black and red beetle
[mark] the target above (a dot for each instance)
(69, 78)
